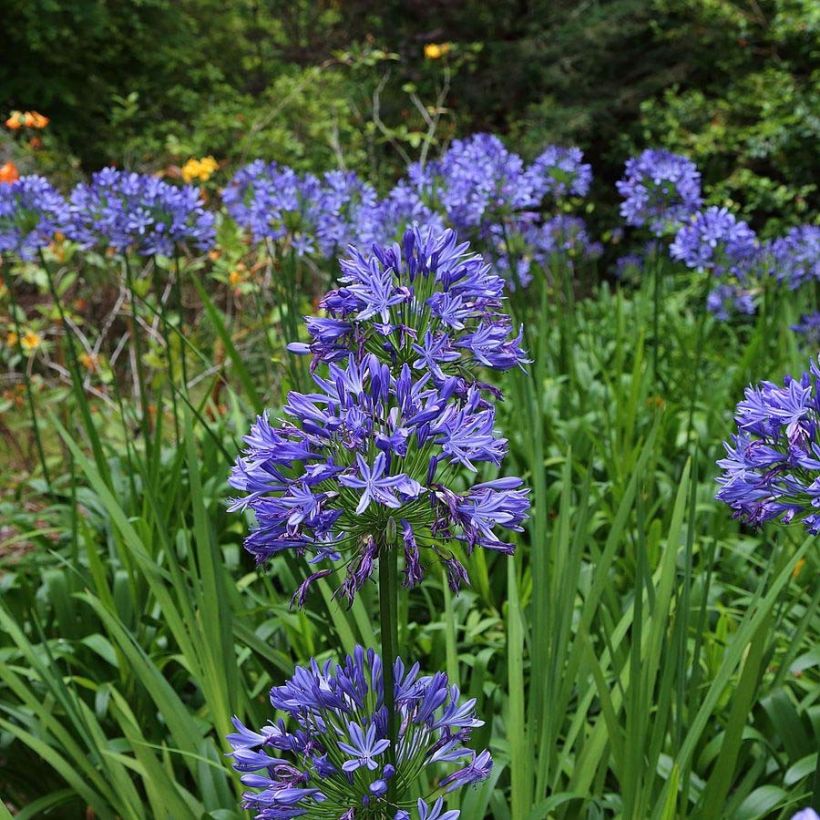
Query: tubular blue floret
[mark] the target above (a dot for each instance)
(331, 757)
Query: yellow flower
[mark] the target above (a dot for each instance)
(30, 341)
(11, 339)
(200, 169)
(236, 277)
(798, 568)
(434, 51)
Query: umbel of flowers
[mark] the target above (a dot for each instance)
(332, 757)
(772, 467)
(372, 460)
(31, 212)
(130, 211)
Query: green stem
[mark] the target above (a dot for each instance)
(699, 340)
(135, 338)
(656, 309)
(179, 307)
(388, 598)
(27, 379)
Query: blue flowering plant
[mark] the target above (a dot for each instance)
(772, 464)
(429, 303)
(31, 213)
(660, 191)
(135, 212)
(332, 755)
(370, 463)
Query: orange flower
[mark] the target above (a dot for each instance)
(8, 173)
(33, 119)
(15, 121)
(89, 361)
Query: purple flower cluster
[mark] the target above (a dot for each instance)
(333, 758)
(369, 463)
(31, 212)
(809, 328)
(772, 468)
(560, 172)
(130, 211)
(728, 300)
(660, 190)
(478, 182)
(795, 258)
(716, 241)
(564, 234)
(428, 302)
(272, 201)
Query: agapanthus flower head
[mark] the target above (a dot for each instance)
(559, 172)
(728, 300)
(332, 756)
(809, 328)
(772, 467)
(795, 258)
(31, 213)
(273, 202)
(716, 241)
(130, 211)
(407, 205)
(660, 190)
(629, 267)
(563, 234)
(806, 814)
(428, 302)
(479, 182)
(346, 213)
(370, 462)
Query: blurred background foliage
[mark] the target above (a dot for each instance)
(324, 83)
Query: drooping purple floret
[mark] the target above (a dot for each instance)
(660, 190)
(716, 241)
(333, 753)
(772, 467)
(129, 211)
(559, 172)
(431, 282)
(366, 449)
(31, 213)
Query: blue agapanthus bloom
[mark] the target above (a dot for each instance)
(407, 205)
(728, 300)
(772, 468)
(559, 172)
(31, 213)
(130, 211)
(563, 234)
(371, 462)
(479, 182)
(332, 757)
(806, 814)
(715, 240)
(346, 213)
(660, 190)
(809, 328)
(795, 257)
(273, 202)
(428, 302)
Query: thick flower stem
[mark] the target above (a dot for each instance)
(388, 600)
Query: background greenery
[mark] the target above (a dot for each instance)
(643, 655)
(732, 83)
